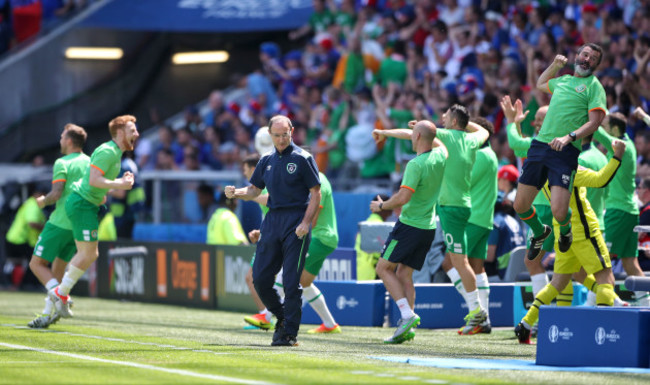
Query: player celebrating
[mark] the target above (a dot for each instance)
(410, 240)
(56, 243)
(82, 205)
(588, 250)
(577, 107)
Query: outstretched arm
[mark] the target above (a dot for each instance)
(589, 178)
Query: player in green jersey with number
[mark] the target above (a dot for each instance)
(463, 139)
(56, 244)
(483, 192)
(88, 193)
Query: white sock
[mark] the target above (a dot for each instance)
(458, 283)
(317, 301)
(267, 314)
(538, 281)
(472, 300)
(591, 299)
(405, 308)
(483, 287)
(69, 280)
(48, 306)
(642, 298)
(618, 301)
(51, 283)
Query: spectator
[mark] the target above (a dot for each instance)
(367, 262)
(224, 227)
(217, 107)
(643, 191)
(23, 235)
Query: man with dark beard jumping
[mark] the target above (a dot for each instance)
(576, 110)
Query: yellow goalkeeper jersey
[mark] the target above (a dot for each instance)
(584, 221)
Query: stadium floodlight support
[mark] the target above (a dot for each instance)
(94, 53)
(200, 57)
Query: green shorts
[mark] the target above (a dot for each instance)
(316, 255)
(546, 216)
(620, 237)
(453, 221)
(84, 218)
(55, 242)
(477, 239)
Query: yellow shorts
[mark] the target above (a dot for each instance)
(590, 253)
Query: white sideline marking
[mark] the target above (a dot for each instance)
(112, 339)
(181, 372)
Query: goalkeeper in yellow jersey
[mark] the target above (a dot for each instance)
(588, 249)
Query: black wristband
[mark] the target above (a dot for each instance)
(381, 206)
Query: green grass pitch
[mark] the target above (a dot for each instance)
(117, 342)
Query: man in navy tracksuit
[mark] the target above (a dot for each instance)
(290, 176)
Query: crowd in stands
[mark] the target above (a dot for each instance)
(360, 65)
(21, 20)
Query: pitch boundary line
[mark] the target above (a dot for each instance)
(114, 339)
(180, 372)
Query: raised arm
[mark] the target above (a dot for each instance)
(589, 178)
(550, 72)
(514, 116)
(477, 130)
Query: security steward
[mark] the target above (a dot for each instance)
(290, 176)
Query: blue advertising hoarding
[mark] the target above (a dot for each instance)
(201, 15)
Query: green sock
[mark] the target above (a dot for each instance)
(565, 225)
(532, 220)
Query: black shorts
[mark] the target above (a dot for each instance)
(408, 245)
(544, 163)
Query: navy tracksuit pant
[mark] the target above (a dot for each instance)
(280, 248)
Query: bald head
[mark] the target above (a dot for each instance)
(539, 117)
(426, 129)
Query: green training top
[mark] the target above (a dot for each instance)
(484, 188)
(518, 143)
(462, 148)
(392, 70)
(423, 176)
(325, 229)
(264, 208)
(572, 99)
(592, 158)
(67, 169)
(621, 188)
(106, 158)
